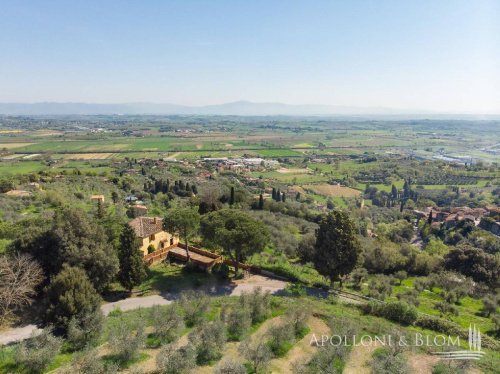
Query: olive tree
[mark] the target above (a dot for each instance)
(37, 352)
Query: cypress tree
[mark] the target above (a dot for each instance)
(132, 269)
(231, 198)
(274, 193)
(283, 197)
(100, 210)
(261, 202)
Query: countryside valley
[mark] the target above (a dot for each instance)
(199, 244)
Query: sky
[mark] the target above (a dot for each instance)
(439, 56)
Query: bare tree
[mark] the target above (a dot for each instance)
(20, 274)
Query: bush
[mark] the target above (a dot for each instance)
(230, 366)
(221, 271)
(258, 303)
(126, 338)
(438, 324)
(208, 340)
(450, 328)
(84, 330)
(174, 360)
(295, 290)
(36, 353)
(167, 322)
(396, 311)
(195, 304)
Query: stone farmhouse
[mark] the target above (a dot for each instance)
(150, 232)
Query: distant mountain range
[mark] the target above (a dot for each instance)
(242, 108)
(239, 108)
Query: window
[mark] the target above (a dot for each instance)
(151, 237)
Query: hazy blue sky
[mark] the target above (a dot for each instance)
(437, 55)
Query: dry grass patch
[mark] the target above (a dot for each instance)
(331, 190)
(88, 156)
(14, 145)
(359, 360)
(293, 171)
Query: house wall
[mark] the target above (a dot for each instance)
(158, 237)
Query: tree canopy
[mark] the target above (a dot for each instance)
(337, 248)
(69, 293)
(236, 232)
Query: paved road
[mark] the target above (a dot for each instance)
(236, 288)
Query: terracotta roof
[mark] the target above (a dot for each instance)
(146, 226)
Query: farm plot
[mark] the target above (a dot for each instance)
(332, 190)
(89, 156)
(13, 145)
(293, 171)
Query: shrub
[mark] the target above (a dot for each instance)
(36, 353)
(221, 271)
(229, 366)
(174, 360)
(167, 322)
(195, 304)
(396, 311)
(85, 329)
(126, 338)
(295, 290)
(258, 303)
(208, 341)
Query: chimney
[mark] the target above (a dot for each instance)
(154, 220)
